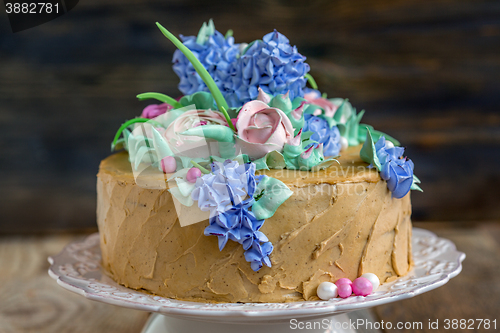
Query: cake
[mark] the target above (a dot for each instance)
(251, 187)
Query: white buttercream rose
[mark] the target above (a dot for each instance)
(193, 146)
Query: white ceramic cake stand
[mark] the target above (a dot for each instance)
(78, 269)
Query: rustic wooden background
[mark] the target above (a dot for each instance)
(426, 72)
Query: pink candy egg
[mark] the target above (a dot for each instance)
(193, 174)
(168, 164)
(362, 287)
(344, 290)
(343, 281)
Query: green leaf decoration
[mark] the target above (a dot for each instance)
(416, 180)
(260, 164)
(160, 97)
(344, 110)
(161, 146)
(306, 135)
(131, 122)
(219, 99)
(316, 157)
(323, 165)
(297, 101)
(311, 81)
(353, 128)
(219, 133)
(184, 188)
(282, 102)
(275, 160)
(376, 135)
(228, 34)
(227, 150)
(202, 100)
(415, 186)
(368, 152)
(273, 193)
(205, 32)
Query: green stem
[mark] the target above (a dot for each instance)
(228, 119)
(202, 169)
(131, 122)
(214, 90)
(161, 97)
(311, 81)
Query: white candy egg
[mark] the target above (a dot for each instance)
(343, 143)
(327, 290)
(389, 144)
(373, 280)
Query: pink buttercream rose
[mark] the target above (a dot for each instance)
(193, 146)
(262, 129)
(328, 107)
(154, 110)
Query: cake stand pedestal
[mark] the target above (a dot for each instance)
(78, 269)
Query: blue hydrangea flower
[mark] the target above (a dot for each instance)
(238, 224)
(258, 255)
(329, 137)
(396, 169)
(227, 180)
(271, 64)
(228, 193)
(216, 54)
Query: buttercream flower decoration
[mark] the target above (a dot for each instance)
(262, 129)
(190, 145)
(328, 107)
(394, 168)
(324, 134)
(154, 110)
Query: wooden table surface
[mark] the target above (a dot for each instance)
(30, 301)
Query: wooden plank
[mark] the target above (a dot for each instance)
(31, 301)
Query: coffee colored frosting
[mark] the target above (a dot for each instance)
(339, 222)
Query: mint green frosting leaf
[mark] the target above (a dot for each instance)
(205, 32)
(344, 110)
(275, 160)
(202, 100)
(282, 102)
(368, 152)
(273, 193)
(219, 99)
(323, 165)
(415, 186)
(260, 164)
(184, 188)
(216, 132)
(375, 134)
(161, 146)
(160, 97)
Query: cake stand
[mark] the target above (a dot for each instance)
(78, 269)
